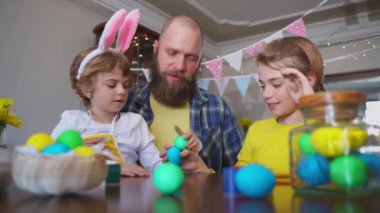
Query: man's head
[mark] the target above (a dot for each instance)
(177, 57)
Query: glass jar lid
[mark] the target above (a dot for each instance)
(332, 98)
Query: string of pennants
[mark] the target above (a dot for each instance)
(235, 59)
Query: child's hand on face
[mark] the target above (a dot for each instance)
(133, 171)
(194, 144)
(298, 84)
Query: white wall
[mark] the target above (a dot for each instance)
(39, 39)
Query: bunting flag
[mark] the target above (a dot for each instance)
(274, 36)
(254, 49)
(215, 66)
(203, 83)
(256, 77)
(235, 59)
(147, 74)
(242, 83)
(297, 28)
(221, 84)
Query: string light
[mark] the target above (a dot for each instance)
(355, 55)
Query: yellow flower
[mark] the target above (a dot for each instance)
(245, 123)
(6, 116)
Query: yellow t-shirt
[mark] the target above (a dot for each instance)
(267, 143)
(165, 117)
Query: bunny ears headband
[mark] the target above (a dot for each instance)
(120, 23)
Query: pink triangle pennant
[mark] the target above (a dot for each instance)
(215, 66)
(254, 49)
(297, 28)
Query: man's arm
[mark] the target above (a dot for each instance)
(233, 138)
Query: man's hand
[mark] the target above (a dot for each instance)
(194, 144)
(191, 162)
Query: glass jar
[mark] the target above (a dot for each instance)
(335, 152)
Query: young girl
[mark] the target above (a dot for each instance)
(288, 69)
(100, 78)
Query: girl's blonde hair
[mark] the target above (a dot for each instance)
(294, 52)
(103, 63)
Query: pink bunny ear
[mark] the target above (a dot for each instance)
(111, 28)
(128, 30)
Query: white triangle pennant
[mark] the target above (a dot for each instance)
(235, 59)
(203, 83)
(221, 84)
(256, 77)
(274, 36)
(243, 83)
(147, 74)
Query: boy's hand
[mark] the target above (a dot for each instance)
(298, 84)
(194, 144)
(133, 171)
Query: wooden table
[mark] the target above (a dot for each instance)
(201, 193)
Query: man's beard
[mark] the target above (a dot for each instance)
(172, 93)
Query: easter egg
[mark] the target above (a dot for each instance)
(174, 155)
(255, 180)
(180, 142)
(372, 161)
(168, 178)
(313, 170)
(84, 151)
(70, 138)
(350, 206)
(39, 141)
(357, 136)
(55, 149)
(348, 171)
(168, 204)
(335, 141)
(255, 206)
(305, 144)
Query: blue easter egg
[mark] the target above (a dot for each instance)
(372, 161)
(313, 170)
(174, 155)
(55, 149)
(255, 180)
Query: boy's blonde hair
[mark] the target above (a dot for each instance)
(294, 52)
(103, 63)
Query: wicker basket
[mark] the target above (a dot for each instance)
(45, 174)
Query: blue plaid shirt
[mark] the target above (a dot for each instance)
(211, 120)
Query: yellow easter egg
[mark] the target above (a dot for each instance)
(84, 151)
(335, 141)
(39, 141)
(357, 137)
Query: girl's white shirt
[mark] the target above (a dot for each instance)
(130, 131)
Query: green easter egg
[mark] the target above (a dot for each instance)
(305, 144)
(180, 142)
(168, 204)
(348, 171)
(70, 138)
(168, 178)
